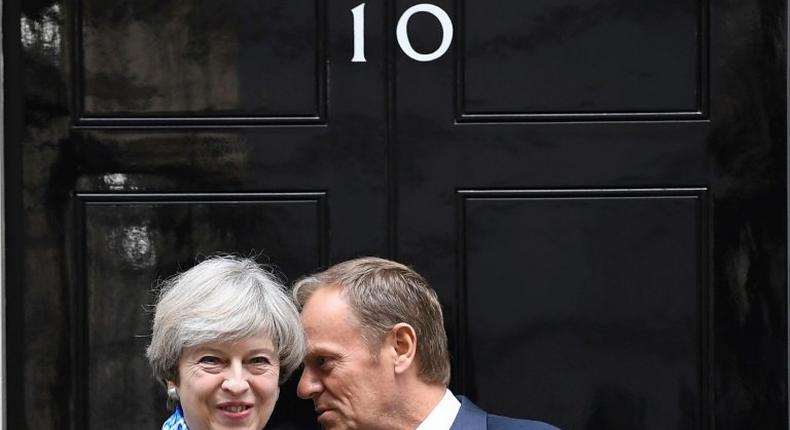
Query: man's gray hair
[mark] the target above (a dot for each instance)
(223, 299)
(382, 293)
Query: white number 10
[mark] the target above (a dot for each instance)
(402, 32)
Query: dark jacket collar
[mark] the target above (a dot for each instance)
(469, 417)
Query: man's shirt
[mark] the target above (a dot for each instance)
(443, 414)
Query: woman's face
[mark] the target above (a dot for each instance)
(229, 385)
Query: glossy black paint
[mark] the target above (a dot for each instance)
(74, 371)
(596, 189)
(258, 62)
(655, 52)
(508, 137)
(550, 285)
(13, 126)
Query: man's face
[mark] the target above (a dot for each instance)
(349, 387)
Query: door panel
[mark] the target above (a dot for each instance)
(602, 291)
(197, 60)
(580, 59)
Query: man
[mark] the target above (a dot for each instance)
(377, 352)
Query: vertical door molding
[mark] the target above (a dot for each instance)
(2, 234)
(787, 189)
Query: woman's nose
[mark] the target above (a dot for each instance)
(236, 379)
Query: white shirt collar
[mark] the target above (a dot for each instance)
(443, 414)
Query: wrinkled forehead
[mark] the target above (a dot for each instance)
(259, 341)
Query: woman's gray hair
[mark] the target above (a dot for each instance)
(223, 299)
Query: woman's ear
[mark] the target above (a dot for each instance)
(404, 340)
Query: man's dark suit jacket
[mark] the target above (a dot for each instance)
(470, 417)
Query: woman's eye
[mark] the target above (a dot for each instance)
(260, 361)
(210, 360)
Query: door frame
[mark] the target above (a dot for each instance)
(2, 232)
(787, 188)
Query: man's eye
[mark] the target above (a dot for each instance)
(319, 362)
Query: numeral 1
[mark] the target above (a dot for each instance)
(359, 34)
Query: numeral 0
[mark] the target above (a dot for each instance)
(402, 32)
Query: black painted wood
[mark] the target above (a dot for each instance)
(539, 271)
(13, 130)
(103, 166)
(597, 190)
(583, 60)
(199, 63)
(488, 117)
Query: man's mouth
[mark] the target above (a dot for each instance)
(320, 410)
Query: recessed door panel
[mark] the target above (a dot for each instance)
(596, 290)
(200, 59)
(550, 59)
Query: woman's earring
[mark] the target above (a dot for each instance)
(172, 397)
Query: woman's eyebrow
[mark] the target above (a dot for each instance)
(261, 351)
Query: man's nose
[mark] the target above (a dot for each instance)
(309, 384)
(236, 379)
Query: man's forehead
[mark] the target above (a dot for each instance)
(327, 306)
(325, 299)
(330, 325)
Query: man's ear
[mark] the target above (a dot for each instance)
(404, 341)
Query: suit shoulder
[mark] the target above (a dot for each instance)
(497, 422)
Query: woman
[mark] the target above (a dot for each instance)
(225, 336)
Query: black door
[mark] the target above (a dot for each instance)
(597, 189)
